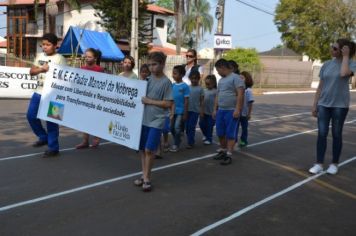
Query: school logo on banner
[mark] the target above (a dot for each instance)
(55, 110)
(119, 131)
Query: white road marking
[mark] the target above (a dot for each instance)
(280, 117)
(89, 186)
(259, 203)
(73, 148)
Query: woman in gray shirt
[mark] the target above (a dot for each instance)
(332, 101)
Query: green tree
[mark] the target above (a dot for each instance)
(247, 58)
(169, 4)
(116, 18)
(310, 26)
(198, 19)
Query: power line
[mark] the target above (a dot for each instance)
(257, 36)
(263, 4)
(255, 7)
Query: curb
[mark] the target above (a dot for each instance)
(294, 92)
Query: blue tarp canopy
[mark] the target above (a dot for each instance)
(90, 39)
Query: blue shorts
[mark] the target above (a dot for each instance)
(226, 124)
(166, 127)
(150, 138)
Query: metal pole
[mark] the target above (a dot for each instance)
(134, 31)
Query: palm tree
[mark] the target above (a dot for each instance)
(198, 20)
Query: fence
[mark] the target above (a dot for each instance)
(264, 78)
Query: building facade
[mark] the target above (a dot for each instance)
(25, 29)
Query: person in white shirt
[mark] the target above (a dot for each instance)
(40, 66)
(191, 65)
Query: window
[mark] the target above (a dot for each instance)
(23, 26)
(17, 26)
(159, 23)
(11, 29)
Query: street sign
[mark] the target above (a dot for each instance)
(222, 41)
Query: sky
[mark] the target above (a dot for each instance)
(248, 27)
(2, 21)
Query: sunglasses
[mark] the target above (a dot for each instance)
(189, 56)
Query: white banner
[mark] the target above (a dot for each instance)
(16, 82)
(100, 104)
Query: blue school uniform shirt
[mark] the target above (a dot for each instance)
(180, 92)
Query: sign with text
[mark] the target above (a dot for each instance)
(103, 105)
(222, 41)
(16, 82)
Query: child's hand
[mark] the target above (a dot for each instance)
(236, 114)
(45, 67)
(201, 114)
(248, 117)
(214, 115)
(145, 100)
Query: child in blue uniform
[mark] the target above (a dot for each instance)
(207, 122)
(247, 108)
(157, 102)
(228, 107)
(195, 107)
(180, 107)
(40, 66)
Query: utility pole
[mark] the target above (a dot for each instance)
(219, 15)
(134, 32)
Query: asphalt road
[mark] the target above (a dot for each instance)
(266, 191)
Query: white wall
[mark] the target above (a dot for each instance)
(160, 34)
(84, 19)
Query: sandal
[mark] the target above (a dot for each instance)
(138, 182)
(82, 145)
(146, 186)
(96, 142)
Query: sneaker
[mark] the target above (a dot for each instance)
(221, 155)
(207, 142)
(203, 139)
(189, 146)
(174, 148)
(226, 161)
(39, 143)
(138, 182)
(332, 169)
(146, 186)
(242, 144)
(49, 154)
(316, 169)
